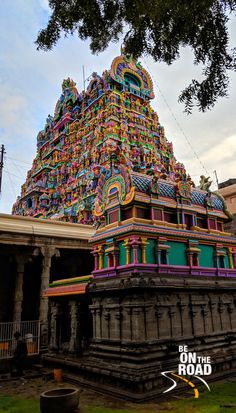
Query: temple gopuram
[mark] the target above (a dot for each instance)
(111, 123)
(164, 268)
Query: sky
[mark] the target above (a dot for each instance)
(30, 84)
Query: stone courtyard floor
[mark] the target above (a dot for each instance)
(22, 396)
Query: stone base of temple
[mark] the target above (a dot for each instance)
(140, 321)
(142, 380)
(139, 383)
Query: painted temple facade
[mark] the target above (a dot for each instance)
(164, 268)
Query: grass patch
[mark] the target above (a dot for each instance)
(210, 402)
(220, 400)
(108, 410)
(16, 404)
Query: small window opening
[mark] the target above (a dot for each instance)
(163, 257)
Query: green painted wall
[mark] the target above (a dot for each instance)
(139, 255)
(150, 251)
(105, 260)
(131, 255)
(206, 256)
(122, 255)
(177, 253)
(226, 258)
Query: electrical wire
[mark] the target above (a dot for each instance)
(6, 161)
(18, 160)
(18, 169)
(177, 122)
(10, 180)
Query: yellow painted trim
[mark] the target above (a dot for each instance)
(193, 249)
(211, 231)
(84, 277)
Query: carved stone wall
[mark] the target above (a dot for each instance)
(139, 321)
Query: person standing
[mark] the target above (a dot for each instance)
(19, 356)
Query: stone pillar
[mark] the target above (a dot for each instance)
(230, 257)
(192, 313)
(198, 318)
(74, 326)
(175, 322)
(182, 307)
(233, 316)
(54, 310)
(149, 313)
(216, 315)
(190, 258)
(171, 314)
(226, 320)
(99, 322)
(138, 326)
(126, 323)
(115, 317)
(96, 309)
(164, 325)
(230, 310)
(106, 323)
(101, 257)
(185, 316)
(116, 332)
(47, 252)
(220, 313)
(18, 296)
(143, 249)
(159, 315)
(205, 318)
(212, 311)
(127, 250)
(93, 308)
(95, 261)
(116, 257)
(234, 258)
(135, 253)
(190, 251)
(196, 304)
(135, 245)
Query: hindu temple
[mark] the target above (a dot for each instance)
(164, 269)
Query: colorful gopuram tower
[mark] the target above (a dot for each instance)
(112, 120)
(165, 270)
